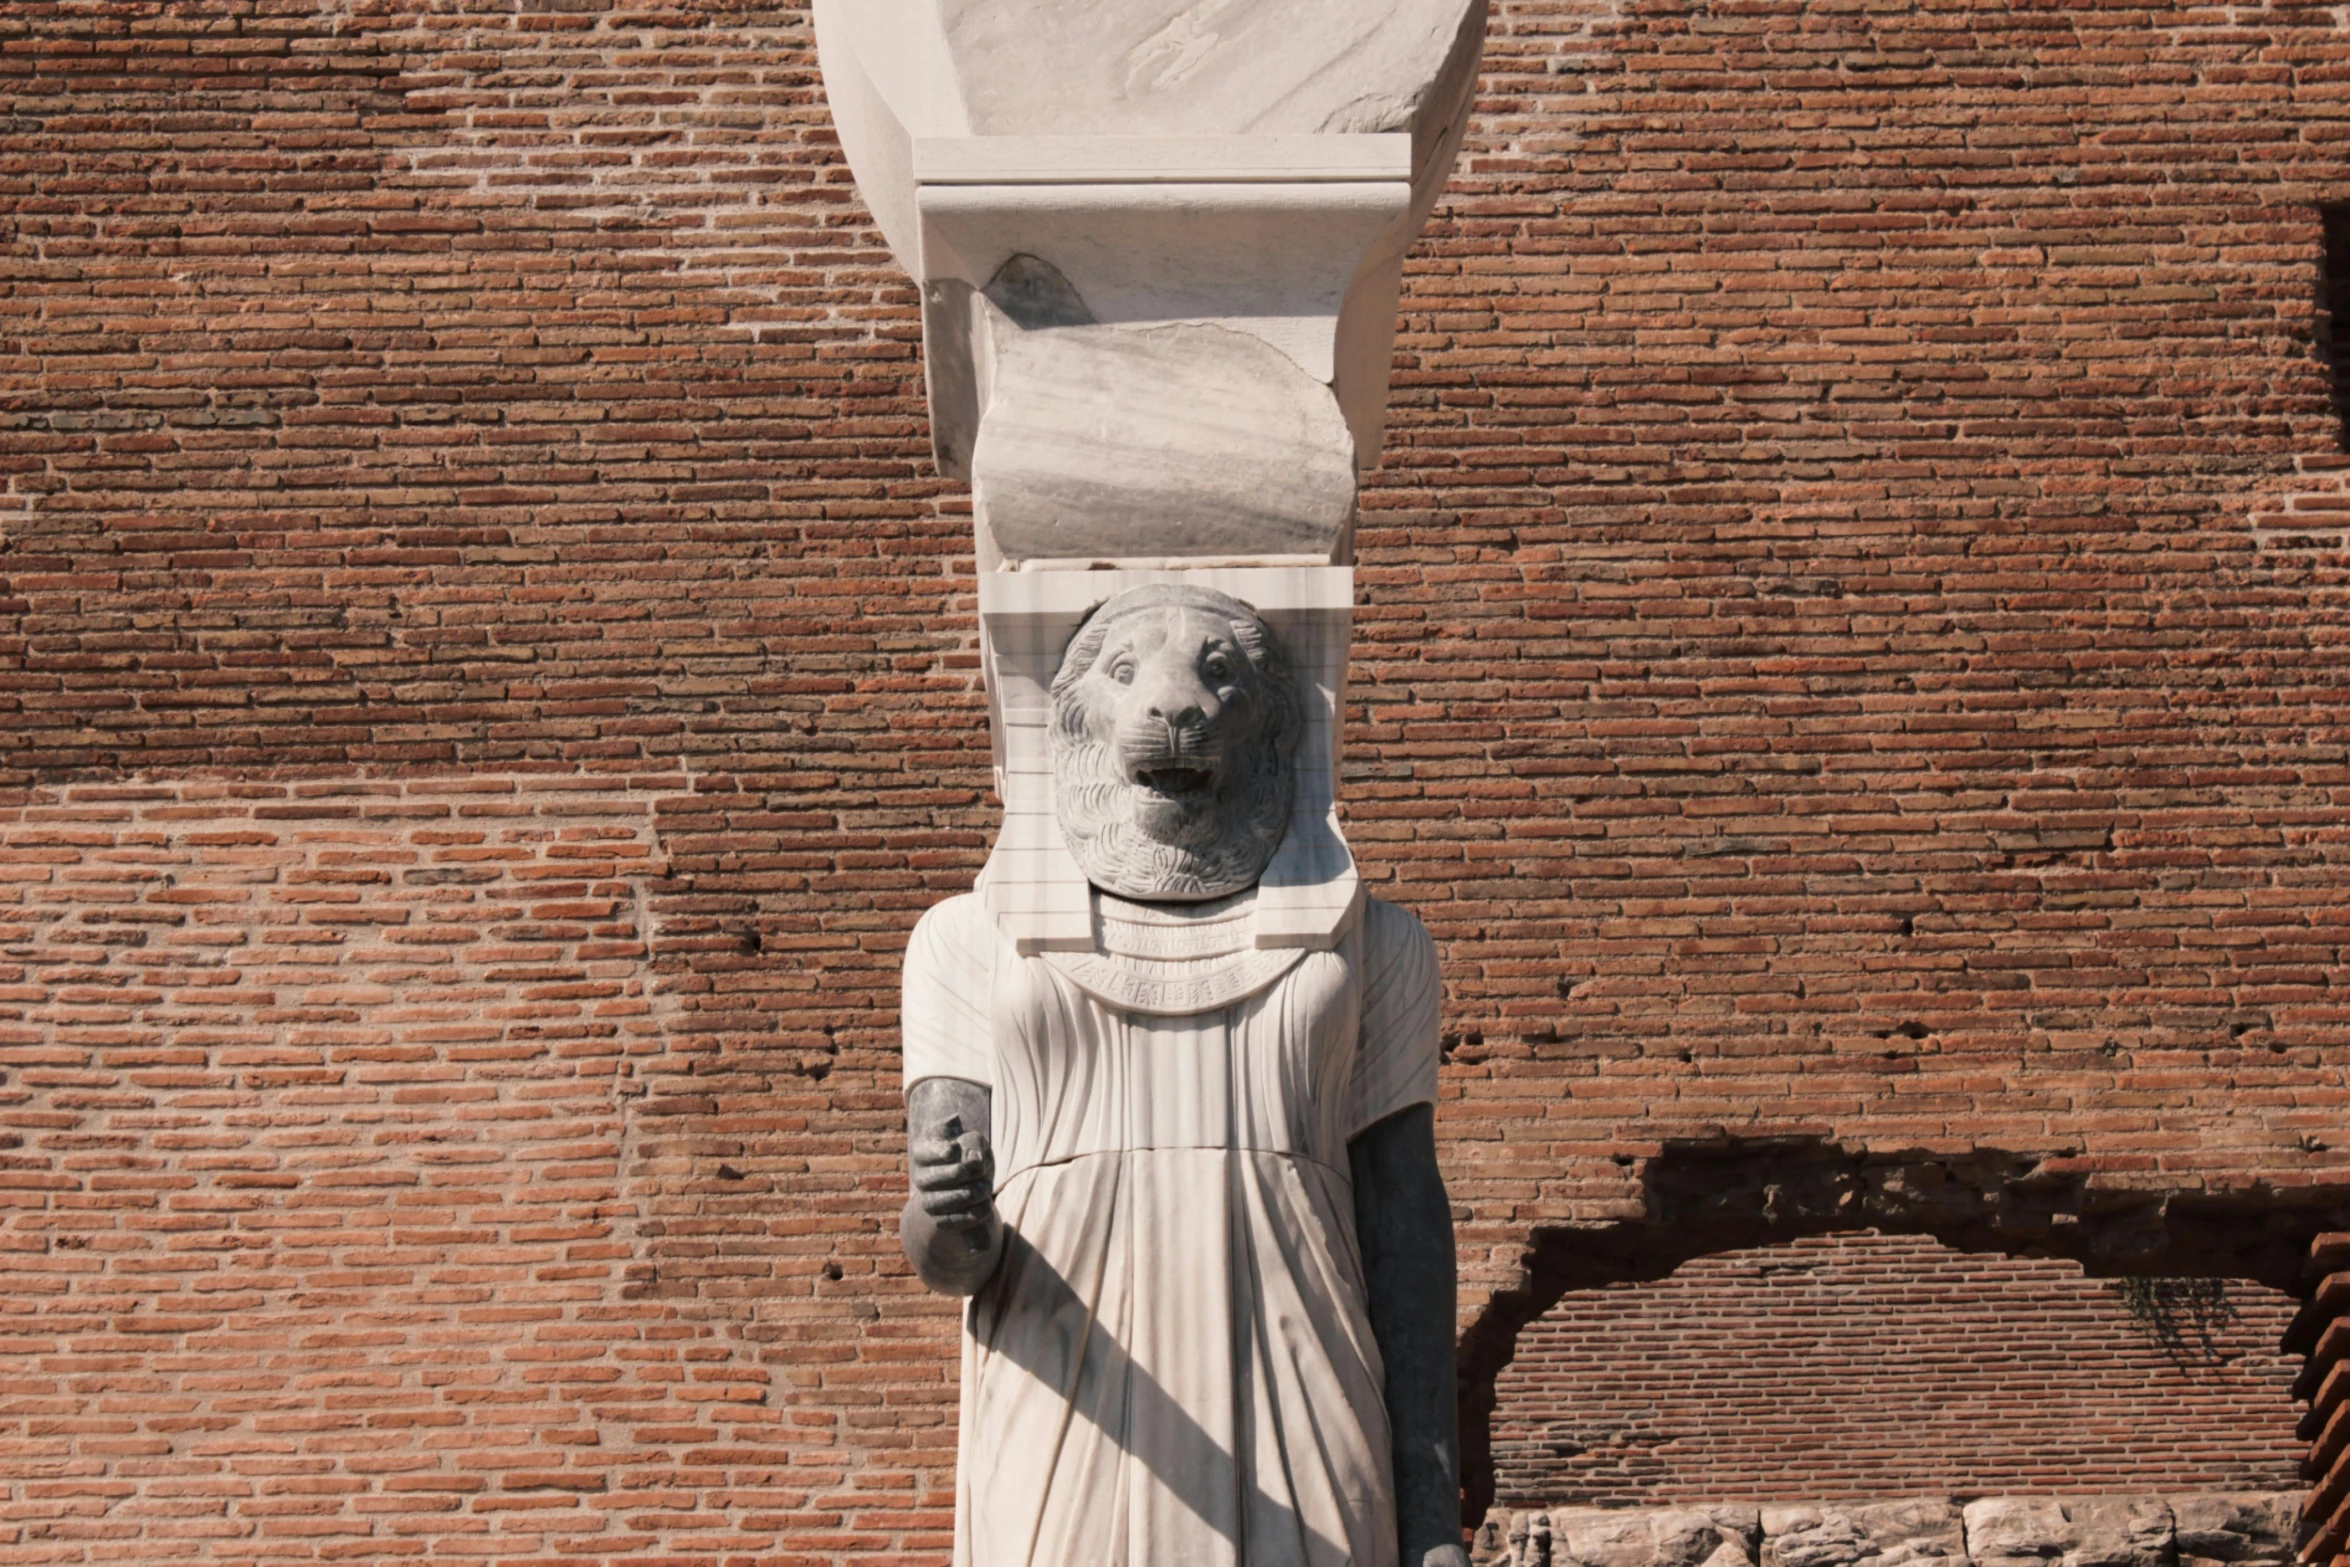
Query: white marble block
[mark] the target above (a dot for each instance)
(1090, 451)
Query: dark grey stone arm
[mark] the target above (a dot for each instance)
(950, 1228)
(1404, 1222)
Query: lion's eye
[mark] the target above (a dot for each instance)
(1122, 673)
(1219, 670)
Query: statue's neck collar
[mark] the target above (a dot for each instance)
(1173, 959)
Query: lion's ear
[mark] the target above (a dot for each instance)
(1286, 718)
(1085, 649)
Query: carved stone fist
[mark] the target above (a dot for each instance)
(950, 1228)
(954, 1177)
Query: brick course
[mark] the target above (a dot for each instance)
(1851, 649)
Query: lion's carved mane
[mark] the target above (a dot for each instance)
(1223, 846)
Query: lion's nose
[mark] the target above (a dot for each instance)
(1179, 709)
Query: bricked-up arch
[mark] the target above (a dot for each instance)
(1705, 1197)
(1848, 1368)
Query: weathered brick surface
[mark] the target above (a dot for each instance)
(1851, 645)
(339, 1185)
(2321, 1333)
(1861, 1367)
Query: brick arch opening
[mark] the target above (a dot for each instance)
(1713, 1197)
(1848, 1368)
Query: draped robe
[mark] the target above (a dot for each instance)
(1174, 1363)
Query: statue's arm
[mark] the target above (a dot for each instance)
(950, 1228)
(1404, 1221)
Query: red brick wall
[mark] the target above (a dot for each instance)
(1865, 1366)
(343, 1161)
(1851, 647)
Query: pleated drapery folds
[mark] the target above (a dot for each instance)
(1174, 1363)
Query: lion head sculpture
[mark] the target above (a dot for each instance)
(1175, 728)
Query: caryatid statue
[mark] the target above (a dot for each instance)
(1170, 1075)
(1189, 1183)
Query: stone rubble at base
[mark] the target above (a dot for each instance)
(2239, 1529)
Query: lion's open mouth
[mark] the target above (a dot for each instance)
(1174, 780)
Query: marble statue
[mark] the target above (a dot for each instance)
(1188, 1181)
(1169, 1073)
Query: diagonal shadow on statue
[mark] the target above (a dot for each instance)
(1097, 1379)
